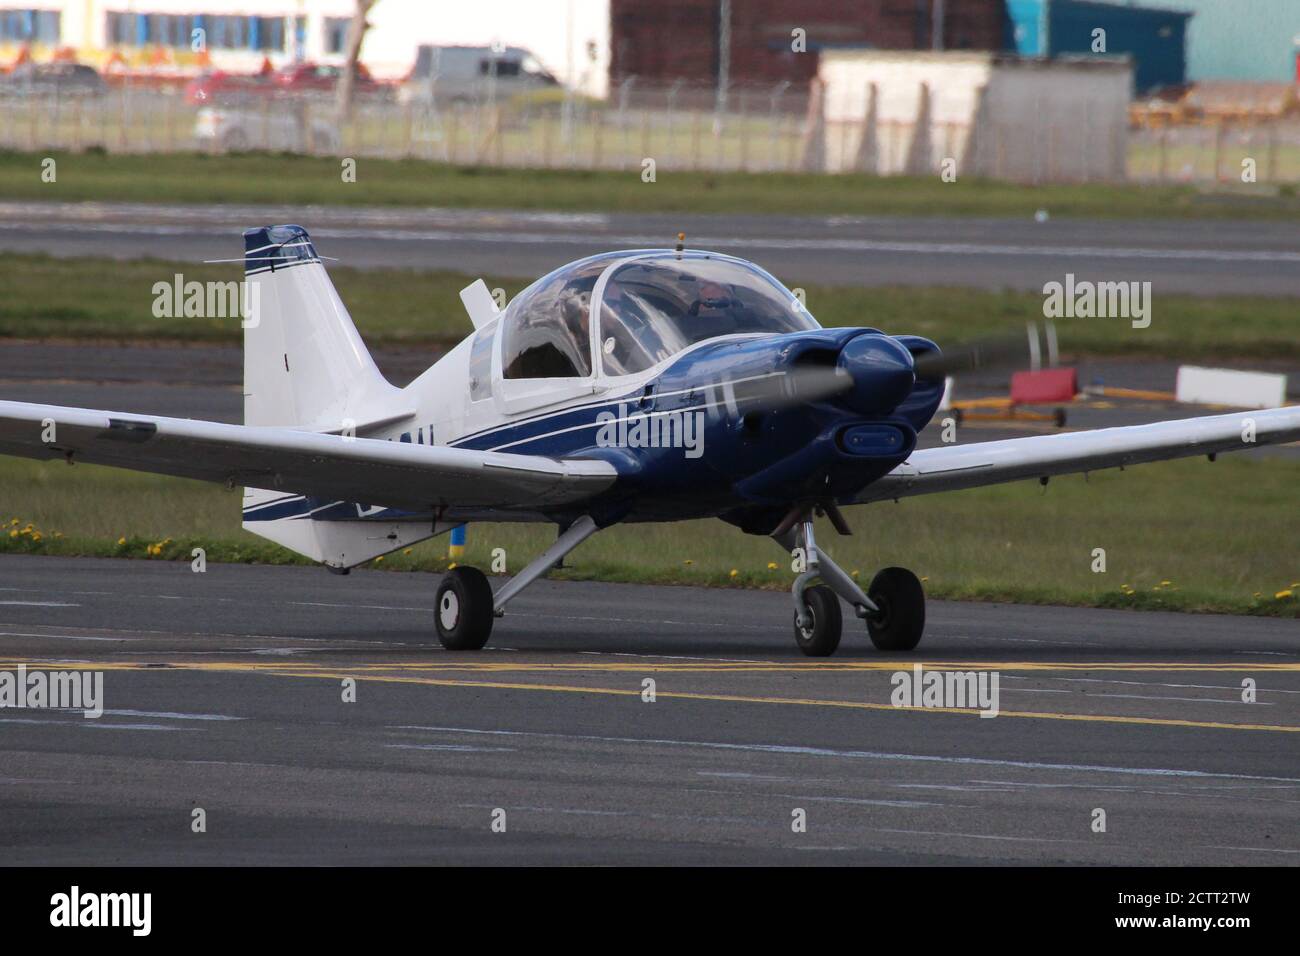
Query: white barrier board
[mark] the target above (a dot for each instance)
(1221, 386)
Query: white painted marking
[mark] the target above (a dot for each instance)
(785, 749)
(38, 604)
(100, 725)
(64, 637)
(171, 715)
(1190, 700)
(457, 748)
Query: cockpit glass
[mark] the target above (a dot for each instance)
(651, 309)
(546, 331)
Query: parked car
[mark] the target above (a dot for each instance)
(218, 86)
(467, 74)
(299, 77)
(283, 129)
(60, 79)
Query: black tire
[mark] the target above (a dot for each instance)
(901, 620)
(824, 635)
(463, 611)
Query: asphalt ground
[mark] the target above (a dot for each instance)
(223, 691)
(1195, 257)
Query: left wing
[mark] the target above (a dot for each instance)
(332, 467)
(1042, 456)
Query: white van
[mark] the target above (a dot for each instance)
(473, 74)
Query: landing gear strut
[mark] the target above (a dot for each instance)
(466, 605)
(893, 606)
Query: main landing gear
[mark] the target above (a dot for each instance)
(893, 606)
(466, 606)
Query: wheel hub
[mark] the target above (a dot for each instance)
(448, 610)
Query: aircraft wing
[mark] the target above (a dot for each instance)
(956, 467)
(392, 474)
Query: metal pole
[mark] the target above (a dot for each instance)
(724, 53)
(936, 25)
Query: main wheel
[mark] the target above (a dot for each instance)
(901, 620)
(464, 609)
(821, 639)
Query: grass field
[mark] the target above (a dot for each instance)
(287, 179)
(45, 297)
(1181, 535)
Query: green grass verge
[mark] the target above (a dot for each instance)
(288, 179)
(46, 297)
(1221, 535)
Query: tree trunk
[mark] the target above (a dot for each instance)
(347, 79)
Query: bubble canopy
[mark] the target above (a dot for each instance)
(650, 306)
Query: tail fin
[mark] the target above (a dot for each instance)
(306, 367)
(304, 363)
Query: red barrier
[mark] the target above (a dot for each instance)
(1043, 388)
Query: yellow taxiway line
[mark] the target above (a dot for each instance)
(377, 673)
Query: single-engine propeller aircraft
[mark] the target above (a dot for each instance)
(634, 386)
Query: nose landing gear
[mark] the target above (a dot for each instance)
(893, 606)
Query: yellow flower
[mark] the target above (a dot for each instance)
(450, 566)
(37, 537)
(855, 573)
(688, 562)
(1165, 584)
(925, 579)
(407, 551)
(121, 541)
(13, 534)
(1282, 595)
(379, 559)
(771, 565)
(734, 572)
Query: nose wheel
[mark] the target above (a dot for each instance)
(817, 631)
(463, 614)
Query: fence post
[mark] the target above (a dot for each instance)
(624, 89)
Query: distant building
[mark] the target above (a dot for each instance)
(1244, 40)
(163, 31)
(661, 41)
(1154, 38)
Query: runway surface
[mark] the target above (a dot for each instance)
(223, 691)
(1197, 257)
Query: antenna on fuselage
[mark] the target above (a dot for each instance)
(681, 244)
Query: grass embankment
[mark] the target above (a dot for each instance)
(46, 297)
(282, 179)
(1182, 535)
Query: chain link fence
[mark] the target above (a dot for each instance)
(680, 127)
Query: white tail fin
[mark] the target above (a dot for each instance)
(306, 367)
(304, 363)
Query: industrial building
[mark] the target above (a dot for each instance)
(1154, 38)
(664, 41)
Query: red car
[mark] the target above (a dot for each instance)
(317, 76)
(219, 86)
